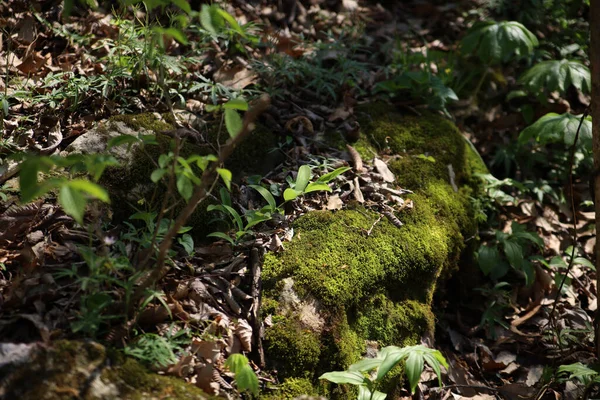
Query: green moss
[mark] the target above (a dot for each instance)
(148, 121)
(294, 350)
(399, 324)
(290, 389)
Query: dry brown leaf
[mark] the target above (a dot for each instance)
(383, 170)
(357, 161)
(237, 77)
(300, 124)
(243, 331)
(340, 114)
(335, 203)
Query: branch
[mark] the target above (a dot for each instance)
(200, 193)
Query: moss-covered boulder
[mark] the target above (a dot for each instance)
(335, 289)
(83, 370)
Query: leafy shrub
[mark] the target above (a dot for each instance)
(557, 75)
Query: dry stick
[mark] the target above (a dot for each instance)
(201, 191)
(573, 210)
(256, 260)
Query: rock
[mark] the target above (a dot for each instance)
(82, 370)
(375, 288)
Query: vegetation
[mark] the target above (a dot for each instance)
(220, 190)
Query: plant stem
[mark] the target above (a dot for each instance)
(480, 83)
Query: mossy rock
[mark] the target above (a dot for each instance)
(378, 287)
(85, 370)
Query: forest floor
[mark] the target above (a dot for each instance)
(318, 61)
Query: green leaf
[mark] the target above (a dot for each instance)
(365, 393)
(163, 160)
(236, 362)
(328, 177)
(92, 189)
(73, 202)
(255, 218)
(233, 122)
(226, 175)
(236, 217)
(290, 194)
(351, 377)
(366, 364)
(317, 186)
(488, 258)
(557, 75)
(554, 128)
(185, 187)
(184, 5)
(211, 20)
(176, 34)
(514, 253)
(28, 179)
(266, 195)
(221, 235)
(236, 104)
(414, 368)
(121, 140)
(585, 262)
(393, 357)
(232, 22)
(157, 174)
(246, 379)
(302, 178)
(495, 42)
(187, 242)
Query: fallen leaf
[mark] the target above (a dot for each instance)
(383, 170)
(237, 77)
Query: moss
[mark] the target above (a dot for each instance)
(290, 389)
(380, 287)
(399, 324)
(295, 350)
(147, 121)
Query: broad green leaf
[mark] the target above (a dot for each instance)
(185, 187)
(187, 242)
(255, 219)
(236, 104)
(365, 393)
(157, 174)
(488, 258)
(235, 215)
(94, 190)
(184, 5)
(557, 75)
(391, 359)
(585, 262)
(73, 202)
(317, 186)
(328, 177)
(176, 34)
(28, 183)
(246, 379)
(163, 160)
(234, 25)
(366, 364)
(226, 175)
(514, 253)
(578, 371)
(302, 178)
(351, 377)
(434, 363)
(529, 271)
(290, 194)
(266, 195)
(414, 368)
(121, 140)
(554, 128)
(495, 42)
(221, 235)
(210, 20)
(236, 362)
(233, 122)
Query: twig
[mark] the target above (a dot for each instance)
(256, 255)
(201, 191)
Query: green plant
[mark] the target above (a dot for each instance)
(497, 42)
(557, 128)
(508, 251)
(245, 378)
(156, 350)
(588, 376)
(302, 184)
(497, 302)
(556, 75)
(413, 357)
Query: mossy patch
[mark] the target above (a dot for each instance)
(380, 286)
(290, 389)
